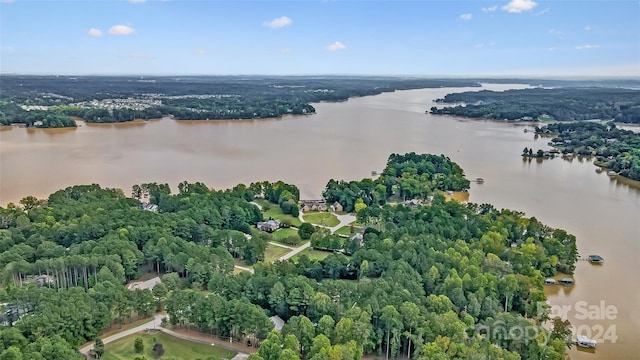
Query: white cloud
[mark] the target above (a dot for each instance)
(200, 51)
(542, 12)
(285, 51)
(278, 22)
(518, 6)
(136, 55)
(137, 1)
(587, 28)
(587, 46)
(94, 32)
(551, 49)
(336, 46)
(121, 30)
(466, 17)
(490, 8)
(478, 46)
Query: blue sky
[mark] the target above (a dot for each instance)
(420, 37)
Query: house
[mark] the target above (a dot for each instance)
(336, 207)
(43, 280)
(270, 225)
(149, 207)
(359, 236)
(12, 314)
(312, 205)
(412, 202)
(277, 321)
(308, 206)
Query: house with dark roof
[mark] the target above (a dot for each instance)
(312, 205)
(269, 225)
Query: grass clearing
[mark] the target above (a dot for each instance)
(312, 254)
(273, 252)
(240, 262)
(346, 230)
(283, 233)
(321, 218)
(116, 328)
(263, 202)
(546, 119)
(174, 348)
(275, 212)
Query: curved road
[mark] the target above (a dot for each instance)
(153, 324)
(156, 324)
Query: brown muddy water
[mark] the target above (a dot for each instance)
(348, 140)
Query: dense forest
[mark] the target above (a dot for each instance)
(441, 281)
(616, 149)
(412, 175)
(563, 104)
(104, 99)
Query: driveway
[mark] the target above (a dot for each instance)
(295, 251)
(345, 219)
(149, 284)
(153, 324)
(156, 324)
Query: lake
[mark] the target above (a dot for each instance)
(348, 140)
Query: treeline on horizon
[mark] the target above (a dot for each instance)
(237, 97)
(562, 104)
(441, 281)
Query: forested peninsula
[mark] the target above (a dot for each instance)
(615, 149)
(440, 280)
(562, 104)
(35, 100)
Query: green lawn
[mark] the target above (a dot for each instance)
(275, 212)
(345, 230)
(174, 348)
(312, 254)
(283, 233)
(242, 263)
(321, 218)
(262, 202)
(546, 119)
(273, 252)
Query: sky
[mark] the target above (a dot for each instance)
(304, 37)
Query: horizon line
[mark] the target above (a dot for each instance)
(432, 76)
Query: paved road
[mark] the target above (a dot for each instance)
(345, 219)
(244, 268)
(281, 245)
(153, 324)
(295, 251)
(149, 284)
(256, 204)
